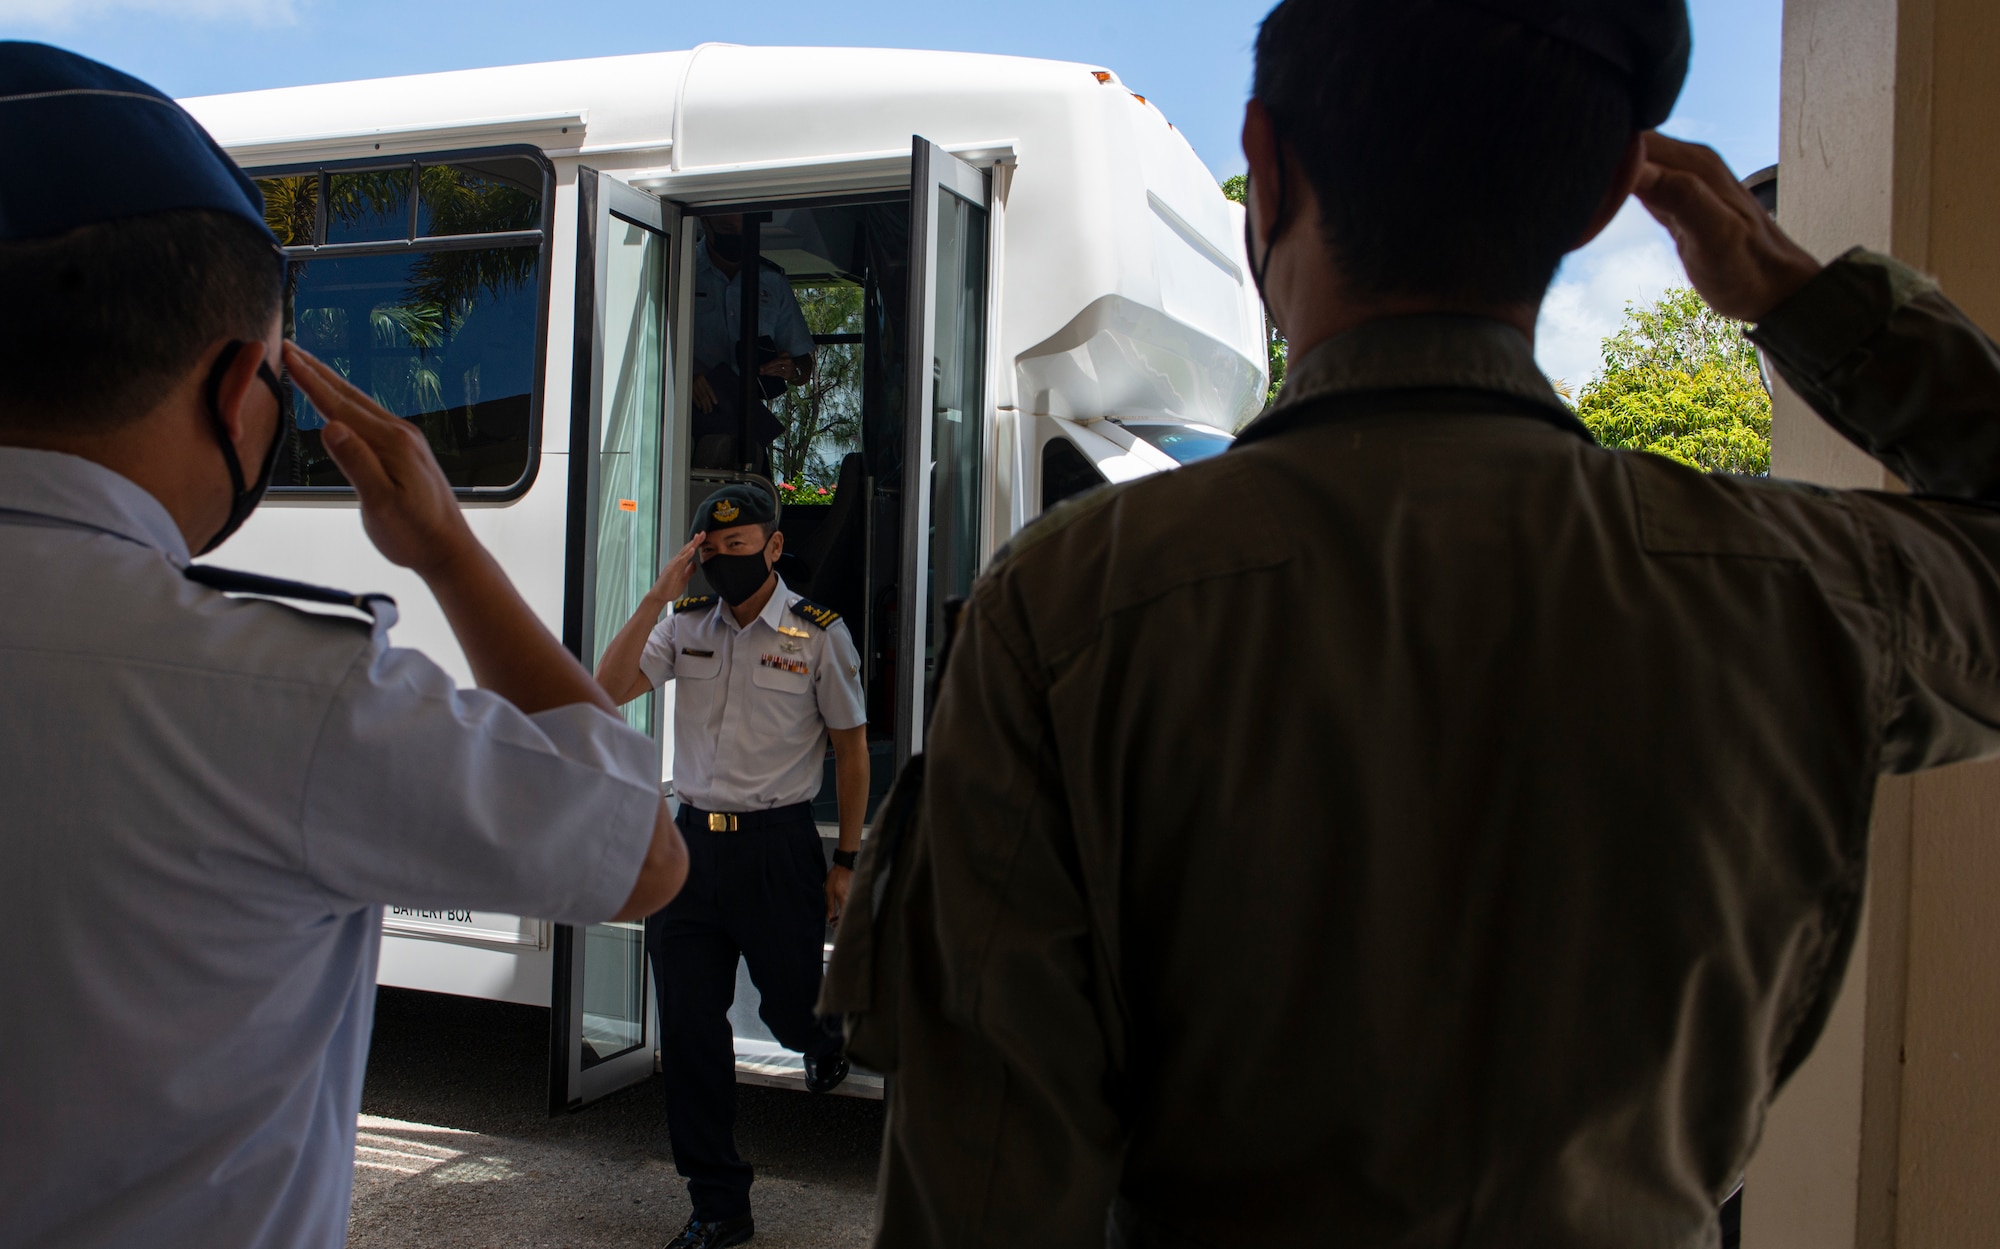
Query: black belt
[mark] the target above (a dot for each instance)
(745, 821)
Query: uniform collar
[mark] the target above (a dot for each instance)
(702, 257)
(1429, 352)
(773, 614)
(74, 491)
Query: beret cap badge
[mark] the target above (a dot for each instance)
(739, 503)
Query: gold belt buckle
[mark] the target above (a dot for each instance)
(721, 822)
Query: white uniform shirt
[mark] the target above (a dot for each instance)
(718, 311)
(204, 801)
(753, 702)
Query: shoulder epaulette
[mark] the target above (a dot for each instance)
(379, 608)
(821, 616)
(688, 602)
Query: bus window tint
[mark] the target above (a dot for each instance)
(1185, 443)
(291, 207)
(1066, 472)
(443, 333)
(443, 339)
(368, 207)
(478, 199)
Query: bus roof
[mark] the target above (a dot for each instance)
(1122, 287)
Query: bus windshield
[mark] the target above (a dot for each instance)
(1186, 443)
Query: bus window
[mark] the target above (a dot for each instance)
(421, 283)
(1066, 472)
(1185, 443)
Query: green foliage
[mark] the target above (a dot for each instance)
(1237, 187)
(822, 415)
(1681, 380)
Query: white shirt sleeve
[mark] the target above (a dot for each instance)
(423, 794)
(657, 659)
(843, 704)
(788, 323)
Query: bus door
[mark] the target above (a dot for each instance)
(602, 1030)
(945, 423)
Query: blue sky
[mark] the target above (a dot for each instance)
(1192, 57)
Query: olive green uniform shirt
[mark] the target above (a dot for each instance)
(1420, 826)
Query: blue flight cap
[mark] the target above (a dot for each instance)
(83, 143)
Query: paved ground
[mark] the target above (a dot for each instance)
(457, 1151)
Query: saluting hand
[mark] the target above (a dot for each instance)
(407, 506)
(1735, 254)
(674, 578)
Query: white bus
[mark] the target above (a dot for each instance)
(1019, 279)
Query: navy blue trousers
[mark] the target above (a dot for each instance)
(759, 893)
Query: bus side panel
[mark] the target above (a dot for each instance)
(466, 970)
(323, 542)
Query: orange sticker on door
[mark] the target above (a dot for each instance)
(628, 505)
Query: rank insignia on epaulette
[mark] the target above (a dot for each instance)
(688, 602)
(821, 616)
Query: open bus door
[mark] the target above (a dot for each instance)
(602, 1027)
(944, 468)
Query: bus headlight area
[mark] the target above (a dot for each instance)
(1016, 280)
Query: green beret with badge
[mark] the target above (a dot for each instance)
(737, 504)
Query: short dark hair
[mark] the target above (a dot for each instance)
(96, 325)
(1454, 153)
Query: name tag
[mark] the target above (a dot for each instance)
(689, 650)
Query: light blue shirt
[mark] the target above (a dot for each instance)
(752, 703)
(718, 311)
(204, 803)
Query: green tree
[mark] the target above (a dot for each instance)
(1680, 380)
(822, 415)
(1237, 187)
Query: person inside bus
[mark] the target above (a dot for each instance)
(784, 348)
(764, 679)
(1419, 825)
(208, 799)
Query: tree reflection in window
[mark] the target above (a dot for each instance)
(382, 285)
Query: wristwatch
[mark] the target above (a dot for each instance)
(846, 858)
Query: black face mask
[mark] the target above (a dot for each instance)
(247, 496)
(728, 247)
(736, 577)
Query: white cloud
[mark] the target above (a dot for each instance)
(1633, 261)
(60, 13)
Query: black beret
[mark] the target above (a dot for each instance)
(66, 120)
(733, 505)
(1646, 41)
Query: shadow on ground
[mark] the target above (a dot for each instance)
(456, 1148)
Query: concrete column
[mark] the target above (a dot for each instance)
(1890, 1135)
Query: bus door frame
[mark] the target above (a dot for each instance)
(602, 201)
(934, 173)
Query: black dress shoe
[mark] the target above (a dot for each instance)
(720, 1234)
(824, 1074)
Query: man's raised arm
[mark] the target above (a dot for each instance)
(412, 517)
(1899, 371)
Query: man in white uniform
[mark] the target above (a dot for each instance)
(763, 679)
(208, 799)
(784, 355)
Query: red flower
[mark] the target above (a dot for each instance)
(822, 489)
(786, 485)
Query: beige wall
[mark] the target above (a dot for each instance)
(1891, 1133)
